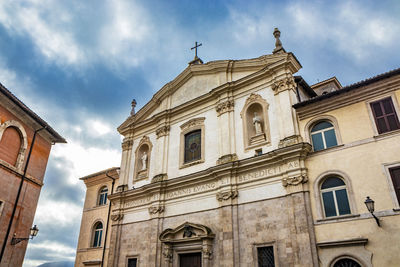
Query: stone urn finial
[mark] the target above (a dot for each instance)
(133, 107)
(278, 43)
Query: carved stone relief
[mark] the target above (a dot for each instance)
(221, 196)
(283, 84)
(162, 131)
(225, 107)
(156, 209)
(127, 143)
(294, 180)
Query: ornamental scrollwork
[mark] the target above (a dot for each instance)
(294, 180)
(127, 143)
(117, 217)
(284, 84)
(227, 195)
(225, 107)
(162, 131)
(156, 209)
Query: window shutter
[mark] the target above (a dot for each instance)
(385, 115)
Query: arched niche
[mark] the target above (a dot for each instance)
(255, 122)
(142, 159)
(13, 152)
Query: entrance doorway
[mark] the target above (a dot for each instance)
(190, 260)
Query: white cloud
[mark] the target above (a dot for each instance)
(59, 213)
(348, 27)
(84, 160)
(98, 128)
(29, 18)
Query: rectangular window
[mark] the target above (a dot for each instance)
(395, 175)
(193, 146)
(386, 119)
(265, 256)
(132, 262)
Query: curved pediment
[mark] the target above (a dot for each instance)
(186, 232)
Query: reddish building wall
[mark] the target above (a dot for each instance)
(10, 178)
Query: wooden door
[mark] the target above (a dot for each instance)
(190, 260)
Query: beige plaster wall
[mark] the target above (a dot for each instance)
(92, 213)
(362, 158)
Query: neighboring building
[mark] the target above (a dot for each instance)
(95, 218)
(241, 163)
(17, 128)
(355, 133)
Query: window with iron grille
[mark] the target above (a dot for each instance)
(265, 256)
(386, 119)
(346, 262)
(132, 262)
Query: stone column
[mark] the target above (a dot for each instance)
(284, 89)
(161, 155)
(126, 159)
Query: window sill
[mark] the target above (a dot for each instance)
(387, 134)
(337, 218)
(326, 150)
(189, 164)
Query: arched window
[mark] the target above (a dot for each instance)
(103, 196)
(97, 234)
(334, 197)
(10, 145)
(323, 135)
(346, 262)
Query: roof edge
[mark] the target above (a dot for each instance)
(57, 137)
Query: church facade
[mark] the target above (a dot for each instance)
(240, 163)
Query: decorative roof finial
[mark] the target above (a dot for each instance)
(196, 59)
(133, 107)
(278, 43)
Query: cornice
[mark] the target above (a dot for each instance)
(211, 174)
(347, 98)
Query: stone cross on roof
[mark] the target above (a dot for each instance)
(196, 59)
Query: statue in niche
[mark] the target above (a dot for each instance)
(257, 124)
(144, 161)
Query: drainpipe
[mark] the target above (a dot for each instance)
(108, 219)
(19, 193)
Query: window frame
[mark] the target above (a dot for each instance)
(94, 234)
(129, 257)
(384, 116)
(188, 127)
(266, 244)
(320, 212)
(372, 116)
(392, 190)
(333, 190)
(322, 133)
(99, 196)
(24, 142)
(328, 118)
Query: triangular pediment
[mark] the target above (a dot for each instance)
(201, 79)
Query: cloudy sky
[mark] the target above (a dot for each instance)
(78, 64)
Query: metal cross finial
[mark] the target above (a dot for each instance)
(195, 48)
